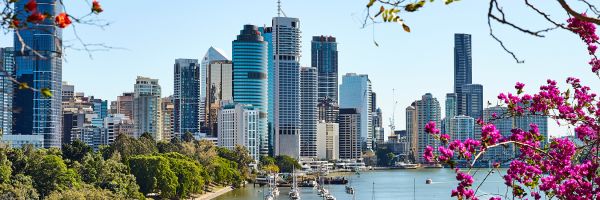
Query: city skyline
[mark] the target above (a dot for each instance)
(380, 62)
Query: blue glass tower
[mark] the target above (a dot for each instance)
(40, 66)
(186, 97)
(250, 76)
(267, 33)
(324, 56)
(462, 67)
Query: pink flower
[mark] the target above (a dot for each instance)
(428, 154)
(519, 86)
(430, 127)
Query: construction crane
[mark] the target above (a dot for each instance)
(393, 118)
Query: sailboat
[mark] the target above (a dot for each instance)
(294, 192)
(349, 189)
(273, 184)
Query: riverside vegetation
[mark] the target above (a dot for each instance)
(127, 169)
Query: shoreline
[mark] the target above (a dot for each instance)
(215, 194)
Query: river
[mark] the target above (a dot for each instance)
(388, 184)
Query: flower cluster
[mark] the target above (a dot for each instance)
(587, 32)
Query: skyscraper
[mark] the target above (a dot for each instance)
(68, 91)
(412, 130)
(219, 87)
(308, 112)
(502, 154)
(238, 125)
(450, 105)
(186, 97)
(461, 127)
(250, 77)
(427, 110)
(267, 33)
(38, 114)
(212, 54)
(167, 118)
(349, 133)
(471, 100)
(355, 92)
(147, 107)
(7, 57)
(328, 141)
(462, 66)
(324, 56)
(328, 110)
(286, 54)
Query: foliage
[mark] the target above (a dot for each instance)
(188, 137)
(286, 163)
(109, 174)
(50, 173)
(20, 187)
(128, 146)
(382, 159)
(84, 193)
(76, 150)
(153, 174)
(271, 168)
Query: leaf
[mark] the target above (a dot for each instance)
(380, 11)
(46, 92)
(371, 2)
(23, 86)
(405, 27)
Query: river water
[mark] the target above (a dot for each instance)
(389, 184)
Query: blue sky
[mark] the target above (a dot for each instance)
(155, 33)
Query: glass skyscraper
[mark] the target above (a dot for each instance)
(286, 55)
(219, 88)
(471, 100)
(250, 75)
(267, 33)
(7, 57)
(212, 54)
(355, 92)
(186, 98)
(308, 112)
(40, 66)
(462, 66)
(324, 56)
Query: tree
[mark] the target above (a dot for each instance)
(382, 158)
(153, 174)
(84, 193)
(188, 172)
(188, 137)
(109, 174)
(286, 163)
(20, 187)
(128, 146)
(50, 173)
(390, 157)
(76, 150)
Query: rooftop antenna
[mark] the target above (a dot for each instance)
(279, 10)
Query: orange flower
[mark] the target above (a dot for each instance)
(96, 8)
(62, 20)
(36, 17)
(31, 6)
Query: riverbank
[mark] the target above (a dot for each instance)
(214, 194)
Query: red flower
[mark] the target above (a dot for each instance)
(96, 8)
(36, 17)
(31, 6)
(62, 20)
(15, 23)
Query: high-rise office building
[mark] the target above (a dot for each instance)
(212, 54)
(378, 129)
(463, 67)
(238, 125)
(450, 105)
(427, 110)
(267, 33)
(186, 97)
(250, 77)
(286, 55)
(7, 57)
(39, 114)
(117, 124)
(471, 100)
(355, 92)
(146, 103)
(349, 133)
(324, 56)
(219, 88)
(68, 91)
(524, 122)
(125, 105)
(328, 141)
(308, 112)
